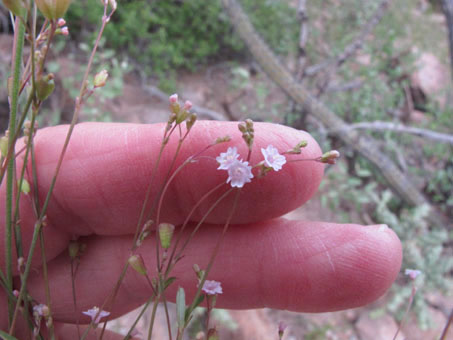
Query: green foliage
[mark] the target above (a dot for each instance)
(163, 35)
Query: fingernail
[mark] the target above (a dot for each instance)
(379, 227)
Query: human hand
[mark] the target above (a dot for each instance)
(264, 260)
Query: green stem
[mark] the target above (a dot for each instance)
(24, 277)
(18, 49)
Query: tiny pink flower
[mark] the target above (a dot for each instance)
(239, 173)
(227, 158)
(61, 22)
(272, 158)
(188, 105)
(96, 314)
(16, 293)
(212, 287)
(65, 30)
(173, 98)
(412, 273)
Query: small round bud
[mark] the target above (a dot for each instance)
(100, 78)
(188, 105)
(45, 86)
(24, 186)
(173, 98)
(137, 263)
(165, 234)
(65, 30)
(329, 157)
(61, 22)
(20, 264)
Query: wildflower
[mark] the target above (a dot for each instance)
(65, 30)
(212, 287)
(61, 22)
(226, 159)
(239, 173)
(173, 98)
(272, 158)
(96, 314)
(412, 273)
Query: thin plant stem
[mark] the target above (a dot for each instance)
(197, 227)
(406, 314)
(145, 307)
(447, 326)
(17, 62)
(153, 315)
(211, 261)
(186, 222)
(24, 277)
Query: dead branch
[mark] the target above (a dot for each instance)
(202, 112)
(355, 45)
(447, 6)
(388, 126)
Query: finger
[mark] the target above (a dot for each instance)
(293, 265)
(103, 180)
(108, 168)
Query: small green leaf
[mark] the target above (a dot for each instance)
(6, 336)
(169, 281)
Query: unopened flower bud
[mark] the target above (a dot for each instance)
(64, 30)
(330, 157)
(137, 263)
(188, 105)
(100, 78)
(146, 230)
(61, 22)
(173, 98)
(4, 146)
(53, 9)
(16, 293)
(20, 264)
(191, 121)
(165, 234)
(222, 139)
(45, 86)
(25, 187)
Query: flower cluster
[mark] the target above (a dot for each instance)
(240, 172)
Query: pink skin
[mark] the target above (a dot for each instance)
(265, 260)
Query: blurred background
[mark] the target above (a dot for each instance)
(375, 64)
